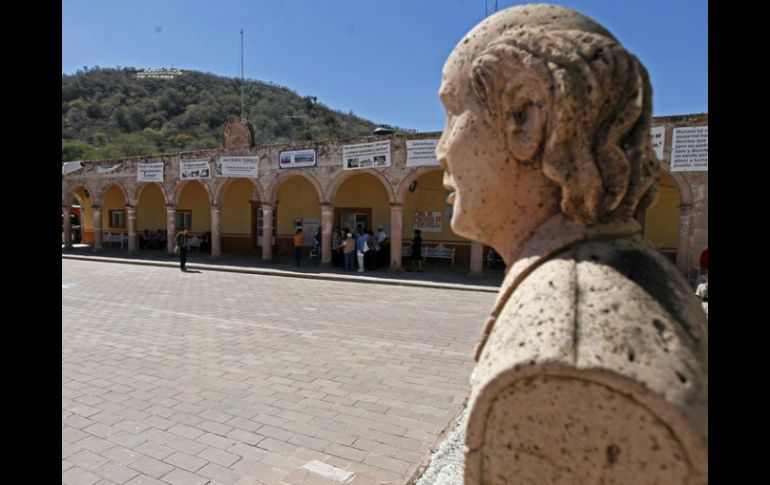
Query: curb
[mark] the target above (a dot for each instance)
(287, 274)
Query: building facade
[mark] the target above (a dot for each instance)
(245, 196)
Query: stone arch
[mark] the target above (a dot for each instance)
(685, 191)
(219, 191)
(346, 174)
(684, 243)
(272, 190)
(70, 192)
(413, 175)
(142, 185)
(180, 185)
(106, 187)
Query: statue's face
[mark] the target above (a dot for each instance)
(477, 168)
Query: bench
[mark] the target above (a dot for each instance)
(438, 251)
(493, 257)
(195, 242)
(119, 238)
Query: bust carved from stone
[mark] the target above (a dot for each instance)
(593, 366)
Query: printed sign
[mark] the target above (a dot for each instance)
(690, 149)
(366, 155)
(149, 172)
(427, 221)
(197, 168)
(421, 152)
(658, 138)
(237, 167)
(297, 158)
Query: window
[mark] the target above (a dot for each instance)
(118, 219)
(183, 219)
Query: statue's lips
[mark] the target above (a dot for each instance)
(448, 182)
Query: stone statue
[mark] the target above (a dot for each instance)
(593, 367)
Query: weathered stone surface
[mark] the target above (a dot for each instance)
(593, 367)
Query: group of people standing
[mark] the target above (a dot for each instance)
(364, 252)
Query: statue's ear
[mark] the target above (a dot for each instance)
(524, 104)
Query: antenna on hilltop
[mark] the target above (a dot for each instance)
(242, 81)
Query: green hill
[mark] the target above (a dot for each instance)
(111, 113)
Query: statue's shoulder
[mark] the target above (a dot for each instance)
(607, 276)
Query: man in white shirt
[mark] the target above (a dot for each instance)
(383, 252)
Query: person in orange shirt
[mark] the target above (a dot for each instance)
(298, 247)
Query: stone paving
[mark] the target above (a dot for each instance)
(215, 377)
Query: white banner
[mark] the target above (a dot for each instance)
(690, 149)
(427, 221)
(149, 172)
(366, 155)
(297, 158)
(196, 168)
(421, 152)
(69, 167)
(658, 138)
(237, 167)
(104, 168)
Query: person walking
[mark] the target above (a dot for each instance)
(182, 245)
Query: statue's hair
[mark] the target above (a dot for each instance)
(596, 144)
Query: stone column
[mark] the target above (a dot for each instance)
(97, 228)
(477, 259)
(131, 213)
(267, 232)
(683, 245)
(170, 228)
(216, 236)
(327, 220)
(396, 235)
(67, 227)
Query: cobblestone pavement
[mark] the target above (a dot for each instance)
(226, 378)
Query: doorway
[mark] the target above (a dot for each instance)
(353, 217)
(260, 224)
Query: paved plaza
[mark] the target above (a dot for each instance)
(212, 377)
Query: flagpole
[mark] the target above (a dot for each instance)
(242, 81)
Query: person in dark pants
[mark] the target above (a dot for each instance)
(182, 244)
(298, 247)
(417, 251)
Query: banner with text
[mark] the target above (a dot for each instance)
(427, 221)
(149, 172)
(690, 149)
(658, 138)
(421, 152)
(297, 158)
(366, 155)
(237, 167)
(196, 168)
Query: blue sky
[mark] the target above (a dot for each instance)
(381, 60)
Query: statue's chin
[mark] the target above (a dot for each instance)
(462, 228)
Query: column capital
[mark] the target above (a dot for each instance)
(266, 207)
(130, 207)
(96, 207)
(170, 207)
(396, 205)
